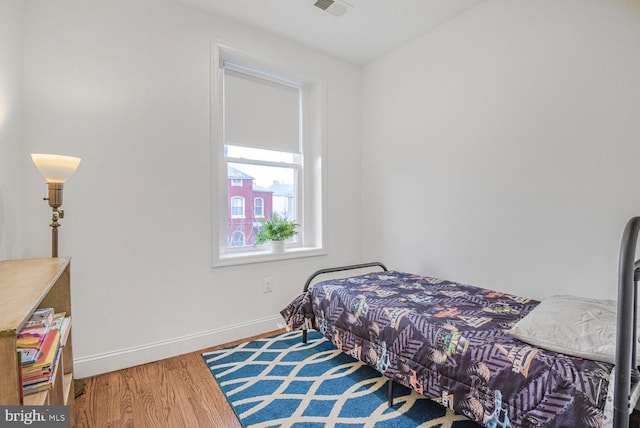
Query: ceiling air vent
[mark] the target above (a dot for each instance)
(336, 8)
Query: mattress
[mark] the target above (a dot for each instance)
(450, 342)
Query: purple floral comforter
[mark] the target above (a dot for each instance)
(448, 341)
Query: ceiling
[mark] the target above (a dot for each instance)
(367, 30)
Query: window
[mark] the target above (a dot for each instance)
(268, 148)
(258, 207)
(237, 239)
(237, 207)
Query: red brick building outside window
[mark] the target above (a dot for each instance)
(248, 206)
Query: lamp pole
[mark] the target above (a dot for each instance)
(54, 231)
(55, 202)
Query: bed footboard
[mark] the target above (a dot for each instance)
(626, 365)
(337, 269)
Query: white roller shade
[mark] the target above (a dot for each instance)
(261, 112)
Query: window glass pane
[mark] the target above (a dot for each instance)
(258, 204)
(237, 239)
(260, 154)
(272, 190)
(237, 206)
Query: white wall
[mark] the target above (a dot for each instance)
(502, 148)
(11, 37)
(124, 84)
(499, 149)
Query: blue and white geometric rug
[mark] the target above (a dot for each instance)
(281, 382)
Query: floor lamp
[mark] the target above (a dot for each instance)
(56, 170)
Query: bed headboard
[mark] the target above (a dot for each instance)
(340, 269)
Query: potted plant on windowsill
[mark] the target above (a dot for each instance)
(277, 231)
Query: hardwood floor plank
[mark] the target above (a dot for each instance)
(181, 376)
(126, 386)
(176, 392)
(148, 406)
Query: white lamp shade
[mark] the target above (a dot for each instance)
(55, 168)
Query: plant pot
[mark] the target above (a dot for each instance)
(277, 246)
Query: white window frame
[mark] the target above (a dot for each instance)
(236, 182)
(312, 238)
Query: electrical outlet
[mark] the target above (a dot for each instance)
(267, 284)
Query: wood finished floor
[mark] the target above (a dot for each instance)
(176, 392)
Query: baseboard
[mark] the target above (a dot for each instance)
(116, 360)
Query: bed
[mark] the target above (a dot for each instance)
(461, 345)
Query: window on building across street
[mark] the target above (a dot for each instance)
(258, 207)
(269, 146)
(237, 239)
(237, 207)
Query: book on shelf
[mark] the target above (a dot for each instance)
(62, 323)
(40, 382)
(36, 387)
(39, 386)
(58, 318)
(40, 318)
(32, 337)
(47, 354)
(37, 378)
(31, 340)
(40, 375)
(19, 356)
(30, 344)
(28, 355)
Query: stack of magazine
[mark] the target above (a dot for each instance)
(39, 346)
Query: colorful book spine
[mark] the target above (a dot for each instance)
(19, 356)
(62, 323)
(42, 317)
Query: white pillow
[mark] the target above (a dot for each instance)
(572, 325)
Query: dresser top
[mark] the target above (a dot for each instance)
(23, 285)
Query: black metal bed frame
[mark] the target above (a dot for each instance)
(337, 269)
(627, 374)
(626, 365)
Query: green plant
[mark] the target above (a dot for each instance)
(278, 228)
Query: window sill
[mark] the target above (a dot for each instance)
(262, 256)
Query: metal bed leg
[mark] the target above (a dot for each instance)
(304, 336)
(390, 396)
